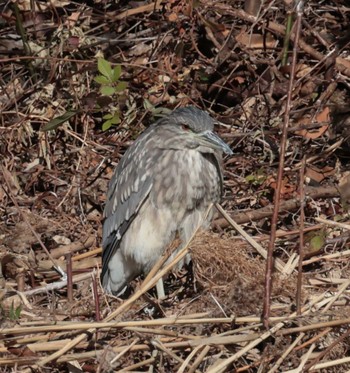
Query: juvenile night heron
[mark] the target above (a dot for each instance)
(161, 189)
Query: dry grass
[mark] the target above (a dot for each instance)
(53, 186)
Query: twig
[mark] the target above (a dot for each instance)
(326, 351)
(138, 365)
(111, 325)
(342, 254)
(278, 263)
(141, 9)
(96, 297)
(336, 296)
(316, 326)
(158, 344)
(290, 205)
(301, 235)
(306, 309)
(199, 359)
(313, 339)
(185, 364)
(286, 353)
(303, 361)
(73, 247)
(69, 277)
(333, 223)
(126, 349)
(328, 364)
(270, 259)
(57, 285)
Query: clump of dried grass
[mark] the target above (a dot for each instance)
(228, 269)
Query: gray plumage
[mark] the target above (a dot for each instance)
(162, 186)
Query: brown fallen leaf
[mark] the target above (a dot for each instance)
(322, 117)
(319, 174)
(256, 41)
(286, 188)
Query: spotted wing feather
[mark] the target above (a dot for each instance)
(128, 189)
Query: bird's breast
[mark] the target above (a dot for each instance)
(186, 180)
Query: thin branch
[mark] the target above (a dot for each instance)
(269, 263)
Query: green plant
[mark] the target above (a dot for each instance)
(110, 86)
(15, 312)
(256, 178)
(56, 122)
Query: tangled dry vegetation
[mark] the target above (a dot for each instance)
(235, 60)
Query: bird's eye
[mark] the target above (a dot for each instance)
(186, 127)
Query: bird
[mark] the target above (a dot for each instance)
(161, 188)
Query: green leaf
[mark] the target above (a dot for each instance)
(15, 313)
(104, 67)
(257, 178)
(317, 242)
(18, 312)
(108, 116)
(116, 73)
(115, 119)
(250, 178)
(106, 125)
(100, 79)
(107, 90)
(121, 86)
(204, 77)
(147, 105)
(56, 122)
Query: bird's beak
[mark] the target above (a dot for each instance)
(213, 140)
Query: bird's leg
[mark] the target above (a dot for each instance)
(170, 252)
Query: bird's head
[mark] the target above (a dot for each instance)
(194, 128)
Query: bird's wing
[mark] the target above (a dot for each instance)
(216, 159)
(219, 166)
(128, 189)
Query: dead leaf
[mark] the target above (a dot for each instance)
(322, 117)
(21, 351)
(302, 70)
(73, 18)
(239, 79)
(256, 41)
(344, 62)
(286, 188)
(173, 17)
(319, 174)
(141, 9)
